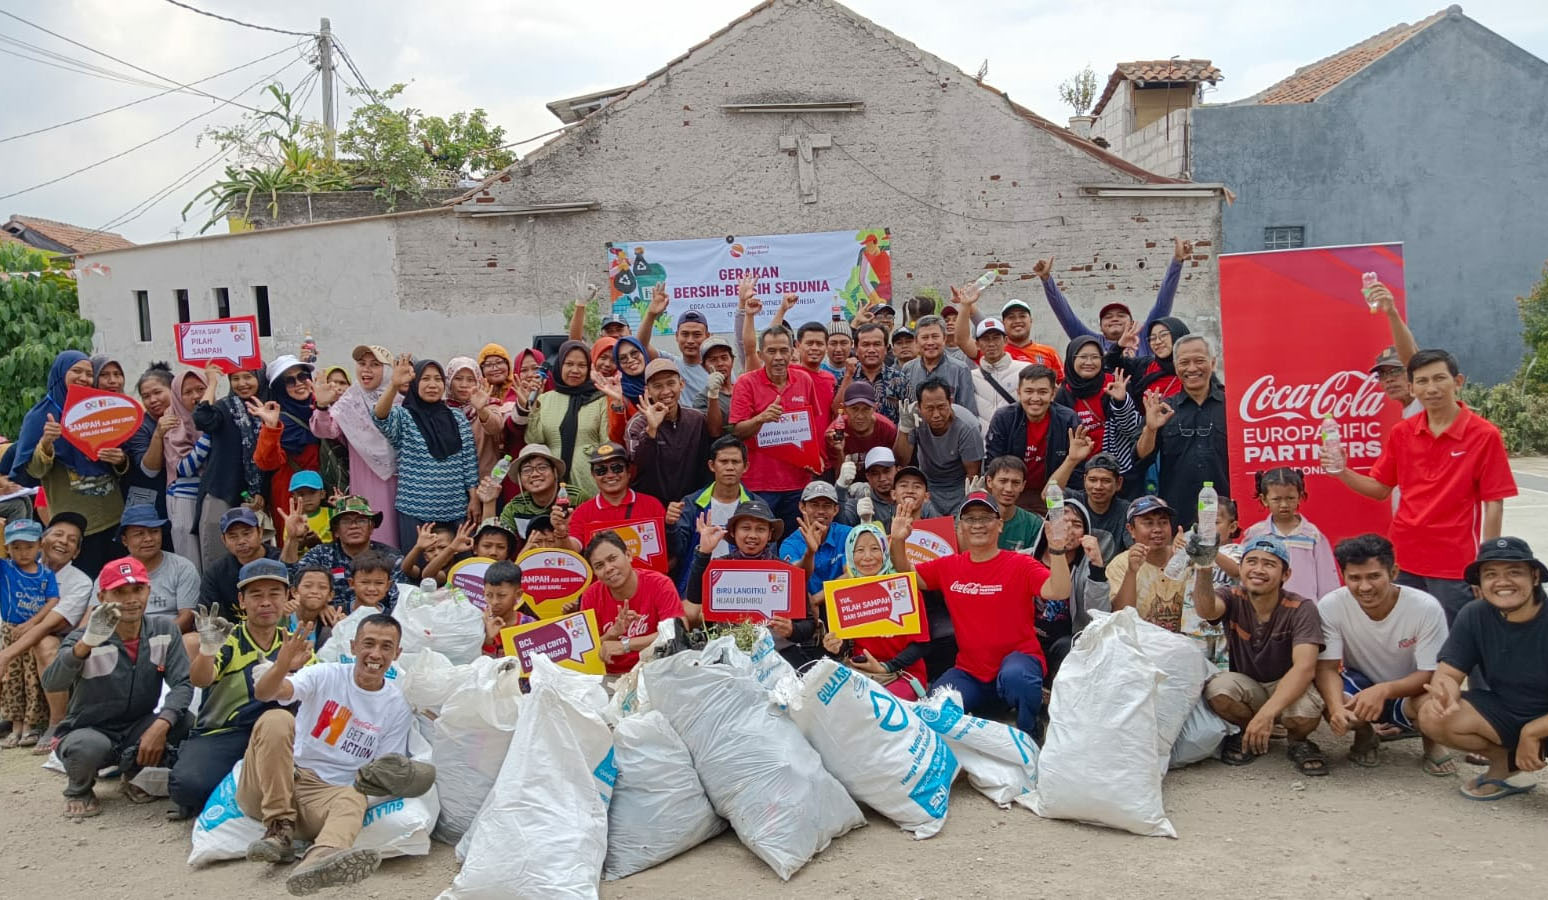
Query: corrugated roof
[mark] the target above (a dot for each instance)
(1310, 82)
(1164, 70)
(78, 239)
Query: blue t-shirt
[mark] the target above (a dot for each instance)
(827, 562)
(23, 594)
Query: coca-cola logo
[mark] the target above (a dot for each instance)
(1344, 395)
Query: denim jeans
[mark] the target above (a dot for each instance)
(1018, 686)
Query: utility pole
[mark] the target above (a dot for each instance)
(325, 68)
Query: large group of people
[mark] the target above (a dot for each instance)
(254, 510)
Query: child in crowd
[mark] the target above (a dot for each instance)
(370, 577)
(432, 542)
(1312, 571)
(503, 609)
(311, 599)
(541, 535)
(897, 663)
(255, 503)
(307, 487)
(26, 587)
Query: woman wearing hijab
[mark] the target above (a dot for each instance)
(178, 449)
(437, 462)
(471, 398)
(347, 416)
(1154, 372)
(530, 380)
(72, 481)
(286, 444)
(107, 374)
(230, 477)
(897, 663)
(1101, 401)
(1058, 621)
(494, 366)
(572, 419)
(631, 357)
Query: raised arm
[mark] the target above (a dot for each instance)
(655, 310)
(402, 376)
(1062, 311)
(965, 298)
(1402, 338)
(1181, 251)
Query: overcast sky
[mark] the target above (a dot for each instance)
(512, 56)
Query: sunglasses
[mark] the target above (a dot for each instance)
(291, 380)
(615, 468)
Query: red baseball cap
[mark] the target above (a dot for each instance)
(120, 572)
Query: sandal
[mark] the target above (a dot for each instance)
(1394, 732)
(83, 807)
(1366, 751)
(1476, 759)
(134, 793)
(1439, 766)
(1231, 752)
(31, 738)
(11, 741)
(1308, 758)
(48, 744)
(1469, 788)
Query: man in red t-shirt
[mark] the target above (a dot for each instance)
(631, 603)
(863, 428)
(777, 412)
(616, 504)
(992, 596)
(1450, 467)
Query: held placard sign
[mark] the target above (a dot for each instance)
(874, 606)
(931, 539)
(572, 641)
(231, 344)
(551, 578)
(468, 577)
(94, 420)
(645, 538)
(752, 590)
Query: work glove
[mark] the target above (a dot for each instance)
(260, 667)
(973, 484)
(1200, 552)
(866, 508)
(101, 624)
(860, 489)
(846, 476)
(213, 629)
(715, 384)
(908, 417)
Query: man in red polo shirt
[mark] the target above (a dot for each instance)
(630, 603)
(616, 504)
(1450, 467)
(777, 411)
(992, 596)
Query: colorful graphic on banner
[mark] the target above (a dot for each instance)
(94, 420)
(874, 606)
(552, 578)
(468, 577)
(931, 539)
(231, 344)
(1301, 341)
(753, 590)
(830, 271)
(572, 641)
(645, 538)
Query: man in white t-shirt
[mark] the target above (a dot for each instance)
(300, 769)
(1380, 642)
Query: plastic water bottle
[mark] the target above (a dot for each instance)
(308, 349)
(1209, 513)
(1368, 281)
(1177, 565)
(500, 469)
(1332, 446)
(1053, 496)
(983, 281)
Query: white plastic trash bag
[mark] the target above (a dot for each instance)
(757, 769)
(471, 737)
(428, 679)
(1100, 763)
(1201, 736)
(659, 808)
(870, 739)
(396, 826)
(1184, 669)
(444, 621)
(1000, 760)
(543, 831)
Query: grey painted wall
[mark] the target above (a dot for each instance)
(1442, 145)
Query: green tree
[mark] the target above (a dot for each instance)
(39, 317)
(1534, 333)
(403, 151)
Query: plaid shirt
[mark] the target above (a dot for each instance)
(891, 388)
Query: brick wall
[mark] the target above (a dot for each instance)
(327, 206)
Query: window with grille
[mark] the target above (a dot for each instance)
(142, 305)
(1284, 237)
(183, 314)
(222, 303)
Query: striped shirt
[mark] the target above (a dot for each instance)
(430, 489)
(185, 480)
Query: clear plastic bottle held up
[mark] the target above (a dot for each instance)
(1332, 446)
(1177, 565)
(1368, 281)
(1209, 512)
(1053, 497)
(983, 281)
(498, 472)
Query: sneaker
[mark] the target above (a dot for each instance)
(276, 845)
(326, 867)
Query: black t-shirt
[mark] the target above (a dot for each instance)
(1512, 655)
(1113, 521)
(218, 587)
(1193, 450)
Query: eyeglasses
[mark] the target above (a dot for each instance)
(493, 362)
(291, 380)
(980, 520)
(536, 468)
(1204, 431)
(614, 468)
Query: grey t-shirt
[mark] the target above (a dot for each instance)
(941, 457)
(174, 586)
(695, 380)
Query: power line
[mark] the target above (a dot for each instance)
(151, 97)
(240, 22)
(69, 64)
(122, 62)
(183, 124)
(360, 79)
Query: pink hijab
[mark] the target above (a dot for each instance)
(179, 441)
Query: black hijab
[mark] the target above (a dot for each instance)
(436, 422)
(579, 396)
(1076, 387)
(1163, 366)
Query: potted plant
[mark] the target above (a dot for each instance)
(1079, 92)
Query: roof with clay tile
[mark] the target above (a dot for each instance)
(1311, 82)
(76, 238)
(1163, 70)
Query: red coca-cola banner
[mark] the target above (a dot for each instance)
(1299, 340)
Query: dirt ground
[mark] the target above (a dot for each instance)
(1261, 830)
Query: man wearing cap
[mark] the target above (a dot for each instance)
(114, 667)
(995, 376)
(860, 430)
(1451, 467)
(1274, 638)
(60, 542)
(776, 410)
(1016, 317)
(1044, 435)
(224, 665)
(1393, 375)
(1136, 578)
(905, 345)
(174, 582)
(714, 400)
(727, 463)
(1505, 634)
(873, 366)
(930, 332)
(616, 503)
(667, 442)
(1114, 318)
(239, 531)
(1099, 489)
(346, 416)
(692, 330)
(992, 596)
(841, 351)
(351, 521)
(818, 544)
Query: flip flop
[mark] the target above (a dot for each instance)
(1233, 754)
(31, 738)
(1440, 766)
(134, 793)
(90, 806)
(1366, 752)
(1506, 789)
(11, 741)
(1308, 758)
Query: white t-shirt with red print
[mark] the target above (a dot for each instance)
(342, 726)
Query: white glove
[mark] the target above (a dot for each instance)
(846, 476)
(101, 624)
(860, 489)
(973, 484)
(213, 629)
(908, 417)
(866, 507)
(261, 667)
(715, 384)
